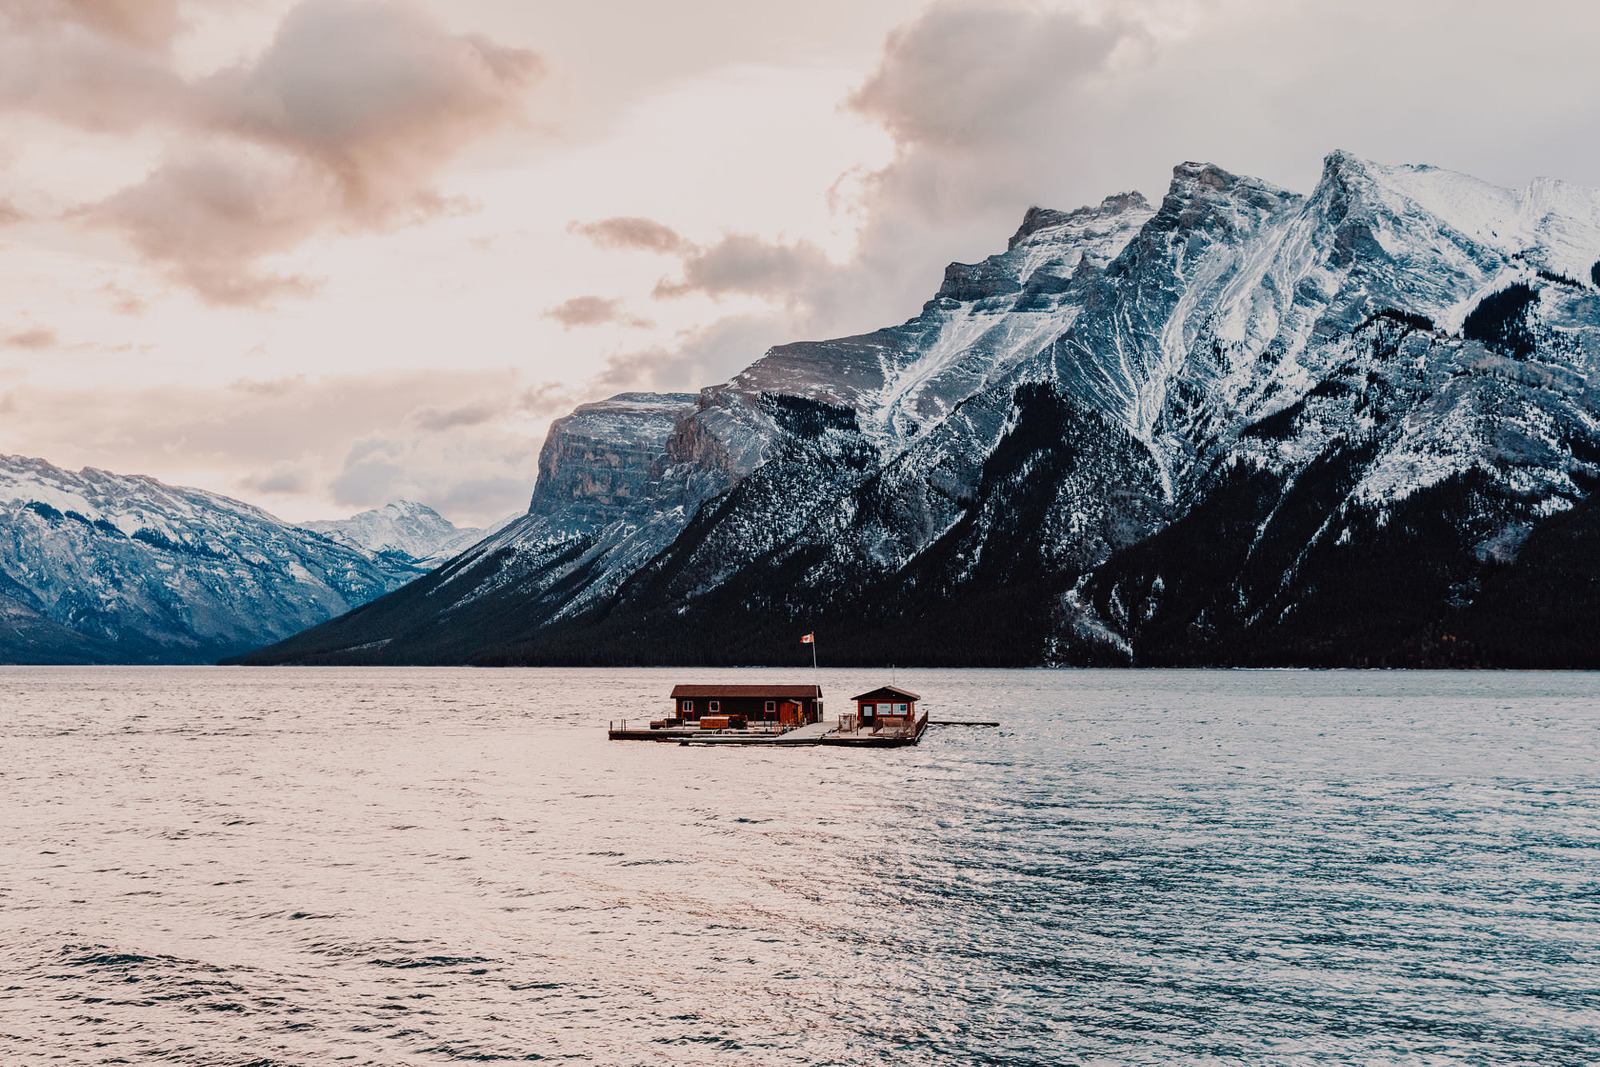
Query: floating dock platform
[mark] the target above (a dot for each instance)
(738, 714)
(827, 732)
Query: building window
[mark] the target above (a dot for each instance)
(772, 705)
(899, 709)
(688, 707)
(716, 706)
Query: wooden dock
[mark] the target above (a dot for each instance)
(826, 732)
(878, 737)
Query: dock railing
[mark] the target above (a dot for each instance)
(900, 727)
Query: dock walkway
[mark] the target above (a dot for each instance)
(807, 735)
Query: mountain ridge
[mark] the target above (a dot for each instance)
(98, 567)
(1139, 435)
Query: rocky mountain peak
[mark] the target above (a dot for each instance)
(1247, 426)
(1037, 219)
(1204, 197)
(404, 529)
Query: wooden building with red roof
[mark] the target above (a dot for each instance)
(886, 706)
(786, 705)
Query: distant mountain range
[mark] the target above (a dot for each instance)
(1243, 426)
(104, 568)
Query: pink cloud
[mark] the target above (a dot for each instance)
(343, 124)
(146, 23)
(35, 340)
(742, 264)
(594, 311)
(375, 94)
(632, 233)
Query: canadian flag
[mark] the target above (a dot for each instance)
(809, 639)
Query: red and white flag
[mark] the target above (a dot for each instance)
(809, 639)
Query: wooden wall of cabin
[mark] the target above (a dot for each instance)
(752, 708)
(870, 711)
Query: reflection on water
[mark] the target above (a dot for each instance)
(294, 867)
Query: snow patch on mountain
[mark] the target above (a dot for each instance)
(413, 531)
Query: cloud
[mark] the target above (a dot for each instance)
(737, 265)
(437, 420)
(146, 23)
(993, 107)
(632, 233)
(124, 301)
(342, 125)
(996, 105)
(99, 65)
(282, 479)
(376, 95)
(984, 103)
(746, 265)
(594, 311)
(10, 214)
(485, 477)
(34, 340)
(969, 77)
(695, 357)
(212, 215)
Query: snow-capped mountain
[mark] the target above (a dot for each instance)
(413, 532)
(98, 567)
(1244, 426)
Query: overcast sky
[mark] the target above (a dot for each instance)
(321, 254)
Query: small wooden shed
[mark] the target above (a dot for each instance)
(886, 705)
(787, 705)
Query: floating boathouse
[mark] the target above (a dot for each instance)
(779, 715)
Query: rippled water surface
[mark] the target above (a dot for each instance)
(297, 867)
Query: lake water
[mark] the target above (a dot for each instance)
(396, 867)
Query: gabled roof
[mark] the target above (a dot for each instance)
(887, 692)
(759, 692)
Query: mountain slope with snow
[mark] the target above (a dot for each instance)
(413, 532)
(1245, 425)
(97, 567)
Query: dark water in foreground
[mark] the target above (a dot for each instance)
(296, 867)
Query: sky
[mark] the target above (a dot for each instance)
(323, 254)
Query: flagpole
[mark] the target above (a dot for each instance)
(811, 639)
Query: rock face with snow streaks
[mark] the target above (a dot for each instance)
(103, 568)
(1244, 426)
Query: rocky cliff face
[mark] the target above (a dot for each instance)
(1247, 425)
(103, 568)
